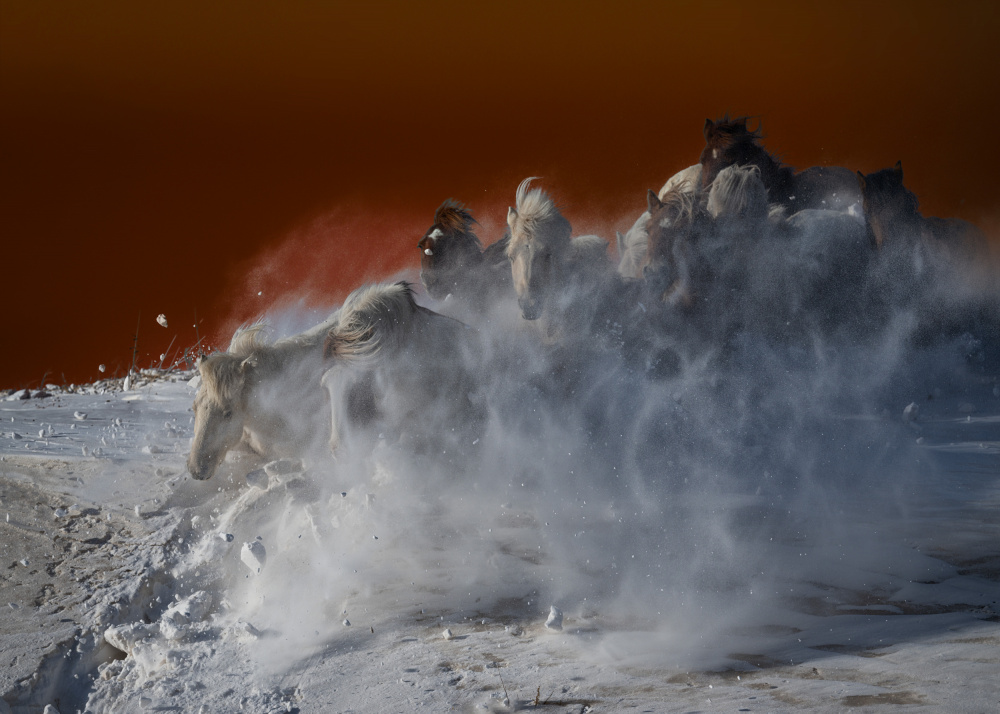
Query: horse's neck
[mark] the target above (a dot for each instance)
(777, 179)
(905, 226)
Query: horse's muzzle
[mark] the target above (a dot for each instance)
(531, 309)
(201, 469)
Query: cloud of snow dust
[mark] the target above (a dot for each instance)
(672, 507)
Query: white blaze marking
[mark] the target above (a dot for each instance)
(436, 234)
(428, 251)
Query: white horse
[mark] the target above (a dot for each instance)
(263, 395)
(551, 271)
(401, 371)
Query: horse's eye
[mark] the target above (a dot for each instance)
(227, 414)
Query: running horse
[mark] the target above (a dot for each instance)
(731, 142)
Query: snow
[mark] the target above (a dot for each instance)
(163, 594)
(802, 526)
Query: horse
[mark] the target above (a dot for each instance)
(632, 245)
(730, 141)
(402, 371)
(453, 262)
(546, 262)
(892, 213)
(676, 222)
(262, 395)
(926, 263)
(729, 265)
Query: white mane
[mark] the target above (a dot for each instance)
(371, 316)
(535, 217)
(248, 338)
(686, 180)
(739, 193)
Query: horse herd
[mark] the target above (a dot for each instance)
(733, 248)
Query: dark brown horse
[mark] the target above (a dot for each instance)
(927, 264)
(453, 262)
(892, 214)
(730, 142)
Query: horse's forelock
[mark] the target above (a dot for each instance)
(222, 378)
(728, 131)
(454, 216)
(677, 205)
(537, 218)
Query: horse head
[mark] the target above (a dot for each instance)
(730, 142)
(673, 228)
(220, 410)
(448, 249)
(539, 238)
(888, 205)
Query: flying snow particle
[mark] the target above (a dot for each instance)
(253, 555)
(554, 621)
(447, 634)
(101, 368)
(79, 416)
(258, 479)
(284, 467)
(162, 319)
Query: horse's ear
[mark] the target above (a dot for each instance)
(653, 201)
(861, 180)
(709, 129)
(898, 169)
(511, 216)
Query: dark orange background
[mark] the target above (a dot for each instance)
(179, 159)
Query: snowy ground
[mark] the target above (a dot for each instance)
(127, 586)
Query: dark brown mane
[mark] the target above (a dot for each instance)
(726, 132)
(455, 219)
(731, 142)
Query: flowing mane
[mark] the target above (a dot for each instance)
(370, 318)
(456, 221)
(535, 217)
(738, 193)
(730, 142)
(248, 339)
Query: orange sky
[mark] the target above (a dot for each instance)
(177, 158)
